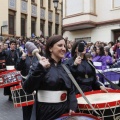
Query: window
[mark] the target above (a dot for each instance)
(56, 28)
(116, 3)
(50, 29)
(11, 24)
(23, 24)
(49, 4)
(33, 1)
(41, 3)
(42, 24)
(87, 39)
(33, 26)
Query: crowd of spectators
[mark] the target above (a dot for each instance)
(106, 53)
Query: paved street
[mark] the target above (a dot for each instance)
(7, 110)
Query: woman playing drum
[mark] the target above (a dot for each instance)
(82, 71)
(55, 92)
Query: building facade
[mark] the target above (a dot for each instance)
(91, 20)
(24, 17)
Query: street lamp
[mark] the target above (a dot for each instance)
(2, 27)
(56, 6)
(55, 3)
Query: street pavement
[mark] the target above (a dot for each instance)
(7, 110)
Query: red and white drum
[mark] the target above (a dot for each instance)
(106, 104)
(78, 116)
(20, 97)
(9, 78)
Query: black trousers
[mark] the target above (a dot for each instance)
(27, 111)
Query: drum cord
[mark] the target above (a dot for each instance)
(111, 83)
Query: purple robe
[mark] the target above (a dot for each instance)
(110, 60)
(118, 52)
(67, 56)
(101, 59)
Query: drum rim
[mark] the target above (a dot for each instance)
(7, 71)
(99, 105)
(81, 114)
(16, 87)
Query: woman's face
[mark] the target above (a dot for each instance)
(110, 45)
(106, 53)
(58, 50)
(97, 50)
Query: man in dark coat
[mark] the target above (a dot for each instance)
(11, 57)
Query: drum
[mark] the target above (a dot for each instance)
(78, 116)
(106, 104)
(9, 78)
(20, 97)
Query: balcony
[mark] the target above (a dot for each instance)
(79, 21)
(80, 17)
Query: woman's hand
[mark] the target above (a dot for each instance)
(71, 112)
(24, 56)
(77, 60)
(44, 62)
(103, 88)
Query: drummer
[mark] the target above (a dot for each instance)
(82, 71)
(23, 64)
(11, 57)
(54, 89)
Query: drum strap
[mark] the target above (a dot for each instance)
(111, 83)
(77, 86)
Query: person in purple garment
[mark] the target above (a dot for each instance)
(101, 58)
(118, 50)
(109, 59)
(68, 51)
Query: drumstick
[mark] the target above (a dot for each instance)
(33, 49)
(112, 84)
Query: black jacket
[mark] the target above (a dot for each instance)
(79, 72)
(10, 56)
(53, 79)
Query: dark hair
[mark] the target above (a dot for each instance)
(88, 55)
(12, 41)
(107, 49)
(75, 45)
(50, 42)
(101, 51)
(112, 43)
